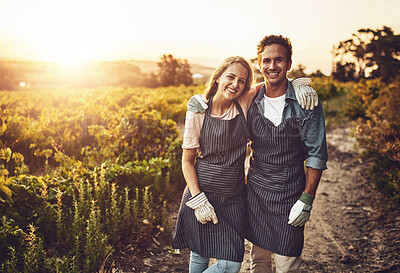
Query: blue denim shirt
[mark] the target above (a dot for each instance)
(312, 129)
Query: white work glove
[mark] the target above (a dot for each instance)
(203, 210)
(197, 104)
(305, 94)
(301, 210)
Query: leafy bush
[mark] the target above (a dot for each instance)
(123, 123)
(100, 165)
(328, 88)
(375, 107)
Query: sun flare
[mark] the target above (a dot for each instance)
(70, 33)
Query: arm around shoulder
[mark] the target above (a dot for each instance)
(246, 99)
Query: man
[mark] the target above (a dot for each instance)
(283, 133)
(279, 194)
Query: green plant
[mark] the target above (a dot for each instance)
(101, 163)
(33, 256)
(96, 247)
(378, 131)
(11, 265)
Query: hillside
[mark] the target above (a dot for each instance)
(17, 74)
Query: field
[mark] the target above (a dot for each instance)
(90, 174)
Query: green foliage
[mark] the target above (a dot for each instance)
(96, 247)
(108, 159)
(88, 212)
(328, 88)
(361, 97)
(10, 265)
(11, 237)
(374, 106)
(92, 126)
(33, 257)
(385, 177)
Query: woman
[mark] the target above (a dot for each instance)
(211, 217)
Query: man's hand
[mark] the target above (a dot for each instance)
(197, 104)
(203, 210)
(305, 94)
(301, 210)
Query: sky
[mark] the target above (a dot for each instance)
(203, 32)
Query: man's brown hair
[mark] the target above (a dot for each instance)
(275, 39)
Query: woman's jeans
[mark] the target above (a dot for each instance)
(199, 264)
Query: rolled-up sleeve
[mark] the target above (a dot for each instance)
(191, 135)
(314, 135)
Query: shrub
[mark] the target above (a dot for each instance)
(378, 131)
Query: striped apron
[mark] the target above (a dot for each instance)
(220, 173)
(275, 180)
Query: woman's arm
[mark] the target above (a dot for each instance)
(246, 99)
(203, 210)
(189, 171)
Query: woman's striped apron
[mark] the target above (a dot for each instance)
(220, 172)
(276, 180)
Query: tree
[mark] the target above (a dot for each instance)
(317, 74)
(344, 72)
(297, 72)
(258, 77)
(370, 53)
(183, 74)
(174, 71)
(383, 53)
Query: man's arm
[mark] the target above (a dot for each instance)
(312, 180)
(301, 210)
(313, 131)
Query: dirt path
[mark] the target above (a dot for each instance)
(351, 227)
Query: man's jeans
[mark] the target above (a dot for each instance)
(199, 264)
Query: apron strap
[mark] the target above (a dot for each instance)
(293, 112)
(238, 107)
(241, 115)
(208, 110)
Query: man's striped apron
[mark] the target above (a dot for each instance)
(220, 172)
(276, 180)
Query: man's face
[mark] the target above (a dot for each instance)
(274, 64)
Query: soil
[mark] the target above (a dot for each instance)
(352, 227)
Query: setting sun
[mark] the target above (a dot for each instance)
(69, 32)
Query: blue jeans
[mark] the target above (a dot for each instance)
(199, 264)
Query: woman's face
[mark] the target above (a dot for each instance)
(233, 81)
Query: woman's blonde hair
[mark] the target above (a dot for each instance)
(212, 85)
